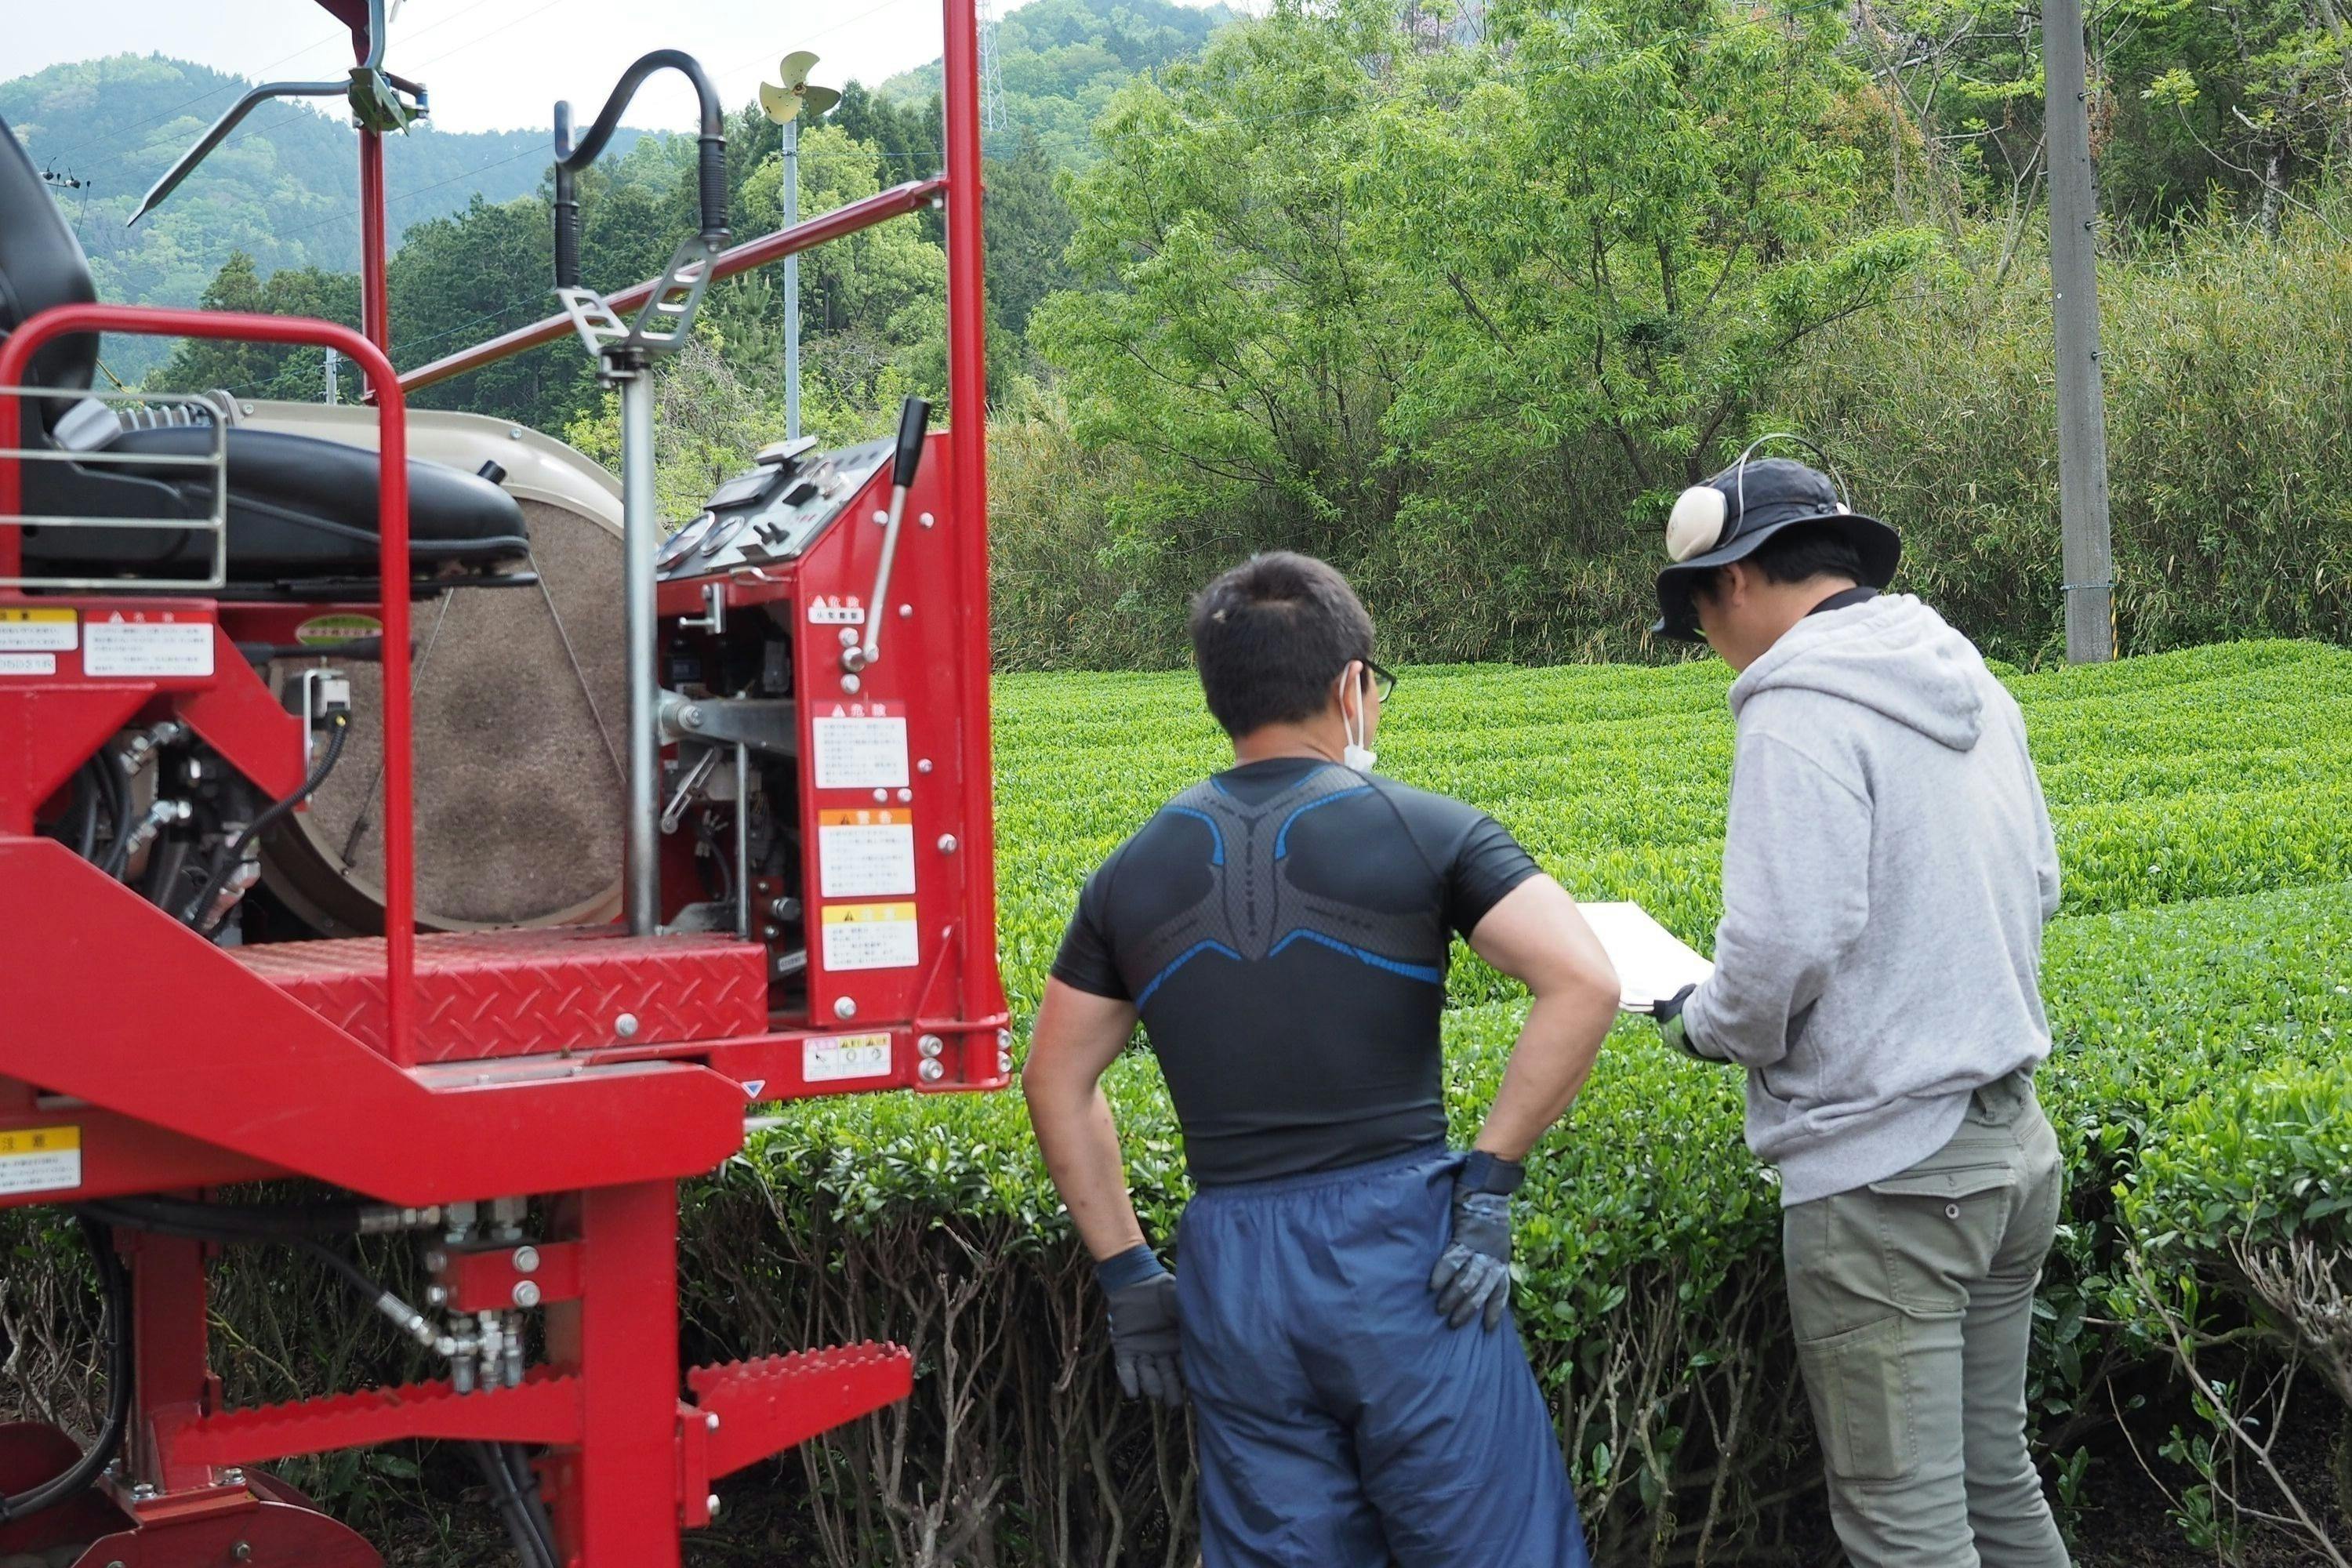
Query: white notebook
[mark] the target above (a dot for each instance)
(1653, 964)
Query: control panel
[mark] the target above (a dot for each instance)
(773, 512)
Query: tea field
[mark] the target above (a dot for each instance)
(2199, 981)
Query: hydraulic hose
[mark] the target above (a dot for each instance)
(117, 784)
(226, 866)
(114, 1284)
(572, 156)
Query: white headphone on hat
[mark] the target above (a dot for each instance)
(1697, 523)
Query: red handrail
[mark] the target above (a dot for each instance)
(391, 557)
(968, 460)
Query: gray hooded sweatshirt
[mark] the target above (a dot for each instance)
(1886, 874)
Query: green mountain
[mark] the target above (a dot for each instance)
(1059, 61)
(284, 188)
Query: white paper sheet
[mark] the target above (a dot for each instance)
(1653, 964)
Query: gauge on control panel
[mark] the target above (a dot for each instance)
(722, 534)
(678, 545)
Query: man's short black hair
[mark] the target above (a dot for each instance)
(1804, 551)
(1270, 636)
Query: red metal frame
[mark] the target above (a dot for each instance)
(189, 1067)
(392, 561)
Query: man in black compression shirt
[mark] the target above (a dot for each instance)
(1282, 929)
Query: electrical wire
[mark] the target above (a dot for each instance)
(193, 913)
(114, 1285)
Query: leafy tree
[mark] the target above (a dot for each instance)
(1026, 226)
(265, 370)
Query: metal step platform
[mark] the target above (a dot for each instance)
(538, 992)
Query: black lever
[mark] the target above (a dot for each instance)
(914, 418)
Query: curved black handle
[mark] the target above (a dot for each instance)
(571, 157)
(914, 417)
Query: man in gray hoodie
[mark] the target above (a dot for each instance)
(1888, 868)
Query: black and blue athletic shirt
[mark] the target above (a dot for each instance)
(1283, 929)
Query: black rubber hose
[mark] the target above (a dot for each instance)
(118, 792)
(114, 1284)
(514, 1509)
(86, 792)
(226, 866)
(534, 1507)
(198, 1221)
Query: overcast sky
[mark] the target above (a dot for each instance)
(498, 64)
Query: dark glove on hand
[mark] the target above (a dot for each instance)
(1473, 1276)
(1143, 1339)
(1669, 1014)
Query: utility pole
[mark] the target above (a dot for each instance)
(792, 283)
(2088, 555)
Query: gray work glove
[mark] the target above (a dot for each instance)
(1473, 1276)
(1670, 1028)
(1143, 1339)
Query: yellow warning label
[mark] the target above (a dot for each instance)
(40, 1139)
(864, 816)
(869, 936)
(39, 630)
(40, 1159)
(857, 914)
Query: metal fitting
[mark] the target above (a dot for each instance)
(710, 1504)
(625, 1025)
(526, 1293)
(785, 909)
(947, 844)
(931, 1072)
(930, 1045)
(845, 1007)
(436, 1295)
(526, 1260)
(1005, 1064)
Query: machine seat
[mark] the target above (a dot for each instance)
(298, 508)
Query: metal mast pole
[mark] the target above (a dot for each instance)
(2088, 555)
(792, 283)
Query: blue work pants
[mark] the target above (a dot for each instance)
(1341, 1423)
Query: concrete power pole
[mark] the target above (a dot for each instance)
(2089, 556)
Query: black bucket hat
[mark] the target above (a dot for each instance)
(1728, 517)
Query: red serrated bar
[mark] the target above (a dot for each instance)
(777, 1402)
(545, 1408)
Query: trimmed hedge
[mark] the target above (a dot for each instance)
(1648, 1246)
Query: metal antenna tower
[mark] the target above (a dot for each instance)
(992, 87)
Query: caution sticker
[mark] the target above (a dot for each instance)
(859, 747)
(39, 630)
(827, 610)
(832, 1057)
(40, 1159)
(149, 647)
(869, 936)
(866, 853)
(28, 664)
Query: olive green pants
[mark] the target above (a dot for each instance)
(1913, 1302)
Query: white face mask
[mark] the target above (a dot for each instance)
(1357, 756)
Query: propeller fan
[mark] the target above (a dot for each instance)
(795, 97)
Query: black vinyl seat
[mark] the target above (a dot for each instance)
(299, 509)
